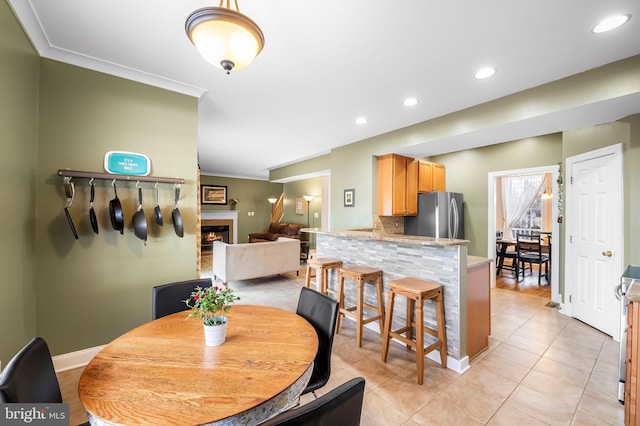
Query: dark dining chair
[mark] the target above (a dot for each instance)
(322, 312)
(30, 377)
(502, 255)
(169, 298)
(340, 406)
(529, 250)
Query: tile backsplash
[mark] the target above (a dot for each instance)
(388, 224)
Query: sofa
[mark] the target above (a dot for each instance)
(234, 262)
(287, 230)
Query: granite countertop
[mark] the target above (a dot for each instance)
(473, 261)
(633, 292)
(632, 274)
(368, 233)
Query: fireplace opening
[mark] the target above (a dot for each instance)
(211, 233)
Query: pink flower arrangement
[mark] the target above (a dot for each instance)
(210, 303)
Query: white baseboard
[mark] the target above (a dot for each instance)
(76, 359)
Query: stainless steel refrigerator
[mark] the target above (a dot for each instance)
(440, 214)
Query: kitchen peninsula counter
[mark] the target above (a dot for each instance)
(441, 260)
(367, 233)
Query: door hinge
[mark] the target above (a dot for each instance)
(571, 180)
(569, 298)
(570, 239)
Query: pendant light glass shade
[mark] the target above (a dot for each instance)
(225, 38)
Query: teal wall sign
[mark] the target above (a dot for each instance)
(127, 163)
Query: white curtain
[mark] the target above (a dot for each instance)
(518, 193)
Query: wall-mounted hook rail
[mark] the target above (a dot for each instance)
(109, 176)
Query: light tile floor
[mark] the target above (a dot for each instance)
(541, 368)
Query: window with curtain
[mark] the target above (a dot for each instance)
(521, 203)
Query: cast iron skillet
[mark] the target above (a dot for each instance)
(139, 221)
(115, 211)
(70, 191)
(176, 218)
(156, 210)
(92, 213)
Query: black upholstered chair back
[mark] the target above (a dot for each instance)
(341, 406)
(322, 312)
(30, 376)
(169, 298)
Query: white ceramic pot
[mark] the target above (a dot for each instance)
(214, 335)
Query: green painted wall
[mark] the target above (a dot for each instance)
(100, 285)
(632, 192)
(312, 165)
(292, 190)
(18, 121)
(467, 172)
(252, 196)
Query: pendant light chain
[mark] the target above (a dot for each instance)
(227, 4)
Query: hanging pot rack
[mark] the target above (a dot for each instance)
(109, 176)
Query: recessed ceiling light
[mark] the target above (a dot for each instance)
(410, 102)
(485, 73)
(361, 120)
(610, 23)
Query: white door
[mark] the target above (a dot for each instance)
(595, 238)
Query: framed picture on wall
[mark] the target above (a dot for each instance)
(349, 197)
(299, 205)
(213, 194)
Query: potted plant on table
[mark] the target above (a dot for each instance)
(210, 304)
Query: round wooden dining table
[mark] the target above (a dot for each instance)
(163, 373)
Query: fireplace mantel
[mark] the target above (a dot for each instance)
(223, 215)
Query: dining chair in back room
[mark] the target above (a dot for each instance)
(322, 312)
(169, 298)
(529, 250)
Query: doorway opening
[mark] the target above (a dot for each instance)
(540, 217)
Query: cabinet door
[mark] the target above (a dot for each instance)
(425, 176)
(430, 177)
(411, 188)
(628, 359)
(437, 176)
(399, 205)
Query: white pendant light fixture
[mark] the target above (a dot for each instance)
(225, 37)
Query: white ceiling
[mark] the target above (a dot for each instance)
(326, 63)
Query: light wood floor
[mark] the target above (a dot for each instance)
(528, 285)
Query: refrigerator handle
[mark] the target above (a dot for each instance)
(453, 217)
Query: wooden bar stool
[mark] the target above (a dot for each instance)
(321, 265)
(360, 274)
(416, 291)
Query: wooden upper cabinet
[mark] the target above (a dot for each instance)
(430, 177)
(397, 185)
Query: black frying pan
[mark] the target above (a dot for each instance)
(115, 211)
(156, 210)
(176, 218)
(70, 191)
(92, 213)
(139, 221)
